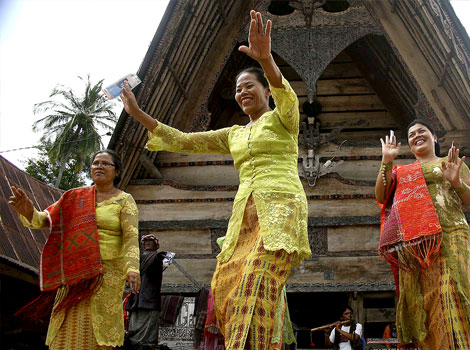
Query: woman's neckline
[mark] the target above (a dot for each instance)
(113, 197)
(431, 161)
(247, 126)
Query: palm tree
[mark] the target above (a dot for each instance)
(74, 124)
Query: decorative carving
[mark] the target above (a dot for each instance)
(307, 7)
(311, 168)
(310, 50)
(317, 236)
(342, 287)
(355, 15)
(202, 119)
(328, 275)
(302, 288)
(454, 38)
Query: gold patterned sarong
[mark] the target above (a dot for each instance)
(76, 332)
(72, 328)
(448, 322)
(248, 287)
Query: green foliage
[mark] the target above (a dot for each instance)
(73, 125)
(43, 169)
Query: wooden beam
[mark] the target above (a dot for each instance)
(150, 167)
(220, 48)
(214, 223)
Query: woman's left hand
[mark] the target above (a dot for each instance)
(133, 278)
(451, 168)
(259, 40)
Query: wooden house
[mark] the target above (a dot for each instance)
(366, 66)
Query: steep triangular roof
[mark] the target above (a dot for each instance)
(415, 55)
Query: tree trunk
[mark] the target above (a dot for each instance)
(59, 177)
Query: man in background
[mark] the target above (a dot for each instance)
(145, 307)
(347, 334)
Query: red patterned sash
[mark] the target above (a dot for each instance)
(72, 252)
(71, 256)
(410, 232)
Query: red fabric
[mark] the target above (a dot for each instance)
(409, 221)
(71, 253)
(71, 256)
(213, 339)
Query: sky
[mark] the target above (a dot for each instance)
(44, 43)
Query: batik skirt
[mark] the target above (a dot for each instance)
(248, 287)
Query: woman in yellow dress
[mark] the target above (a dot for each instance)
(87, 313)
(434, 301)
(267, 232)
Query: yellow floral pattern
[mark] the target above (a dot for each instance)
(117, 220)
(265, 155)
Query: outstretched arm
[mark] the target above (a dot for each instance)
(133, 109)
(22, 204)
(259, 48)
(163, 137)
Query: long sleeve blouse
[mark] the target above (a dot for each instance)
(265, 155)
(117, 219)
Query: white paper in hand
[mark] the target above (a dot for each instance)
(114, 90)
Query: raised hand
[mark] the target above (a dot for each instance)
(390, 149)
(259, 40)
(128, 98)
(22, 204)
(451, 168)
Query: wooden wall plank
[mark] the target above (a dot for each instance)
(190, 241)
(348, 86)
(353, 238)
(345, 270)
(185, 211)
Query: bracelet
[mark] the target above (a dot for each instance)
(460, 191)
(384, 168)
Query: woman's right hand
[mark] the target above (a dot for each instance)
(390, 149)
(128, 98)
(22, 204)
(259, 38)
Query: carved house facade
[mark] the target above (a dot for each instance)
(359, 68)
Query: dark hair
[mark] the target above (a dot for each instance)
(437, 146)
(258, 72)
(349, 308)
(116, 160)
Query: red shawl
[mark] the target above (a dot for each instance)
(409, 222)
(71, 256)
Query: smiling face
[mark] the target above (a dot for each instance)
(252, 96)
(421, 140)
(102, 169)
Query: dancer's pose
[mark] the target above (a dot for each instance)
(91, 250)
(267, 233)
(426, 238)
